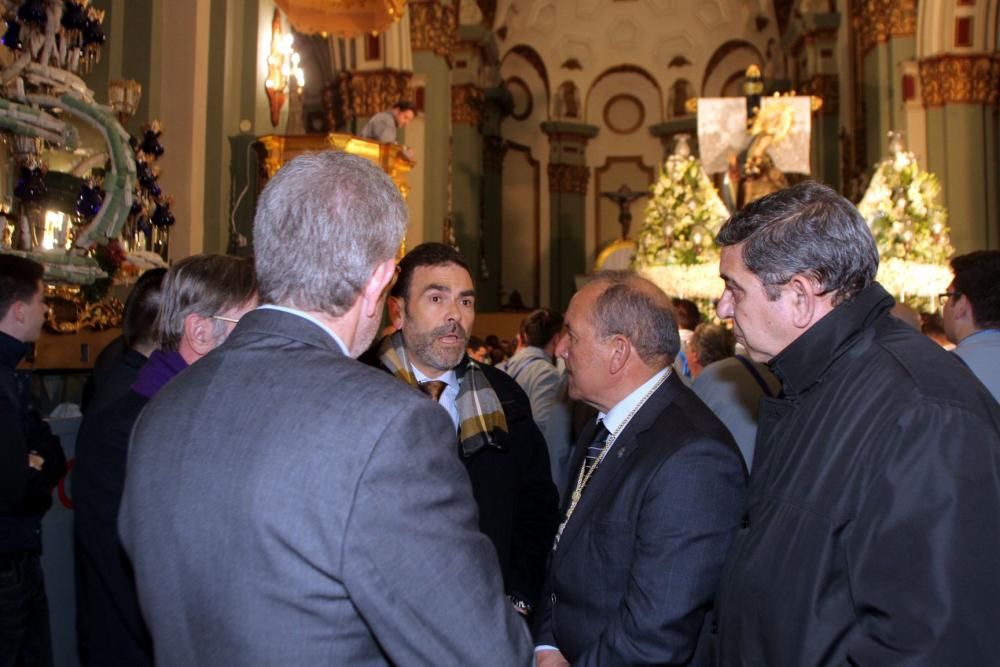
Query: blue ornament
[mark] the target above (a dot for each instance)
(144, 225)
(162, 217)
(151, 143)
(74, 16)
(33, 11)
(30, 185)
(89, 201)
(12, 38)
(93, 33)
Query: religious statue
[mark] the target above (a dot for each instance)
(623, 197)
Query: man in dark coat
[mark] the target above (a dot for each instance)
(874, 516)
(31, 464)
(202, 297)
(657, 492)
(433, 309)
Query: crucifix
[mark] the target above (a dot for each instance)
(624, 196)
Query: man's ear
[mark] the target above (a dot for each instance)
(808, 304)
(377, 284)
(395, 305)
(961, 308)
(199, 333)
(621, 350)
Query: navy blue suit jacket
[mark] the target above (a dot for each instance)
(638, 563)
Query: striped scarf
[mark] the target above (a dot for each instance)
(480, 415)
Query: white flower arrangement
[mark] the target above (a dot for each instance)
(901, 209)
(682, 217)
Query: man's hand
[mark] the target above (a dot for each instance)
(35, 460)
(550, 658)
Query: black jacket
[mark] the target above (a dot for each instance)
(512, 485)
(25, 493)
(874, 514)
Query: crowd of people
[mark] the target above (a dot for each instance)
(260, 481)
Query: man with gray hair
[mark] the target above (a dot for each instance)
(657, 494)
(199, 299)
(288, 505)
(874, 515)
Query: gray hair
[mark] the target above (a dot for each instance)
(203, 285)
(635, 308)
(805, 229)
(712, 342)
(323, 223)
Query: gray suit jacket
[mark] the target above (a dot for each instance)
(287, 505)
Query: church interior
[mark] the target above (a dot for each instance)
(550, 137)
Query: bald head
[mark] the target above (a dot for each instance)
(633, 307)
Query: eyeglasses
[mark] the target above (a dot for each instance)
(948, 296)
(223, 318)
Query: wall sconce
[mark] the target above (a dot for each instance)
(282, 66)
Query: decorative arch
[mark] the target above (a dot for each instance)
(624, 69)
(723, 53)
(532, 58)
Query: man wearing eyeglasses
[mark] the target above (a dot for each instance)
(202, 299)
(971, 314)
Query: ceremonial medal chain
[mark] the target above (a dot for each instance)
(586, 473)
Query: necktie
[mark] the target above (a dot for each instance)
(595, 447)
(433, 388)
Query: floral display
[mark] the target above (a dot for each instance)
(676, 246)
(683, 215)
(909, 225)
(901, 208)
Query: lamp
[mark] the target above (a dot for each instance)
(282, 66)
(124, 96)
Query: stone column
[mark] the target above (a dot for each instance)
(814, 46)
(887, 30)
(433, 32)
(569, 176)
(961, 94)
(497, 104)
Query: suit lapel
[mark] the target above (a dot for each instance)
(605, 477)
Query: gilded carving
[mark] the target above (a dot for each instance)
(568, 178)
(960, 79)
(879, 20)
(367, 93)
(466, 104)
(433, 27)
(826, 87)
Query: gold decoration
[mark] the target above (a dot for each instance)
(343, 18)
(466, 103)
(69, 311)
(960, 79)
(433, 27)
(279, 149)
(569, 178)
(825, 92)
(368, 93)
(879, 20)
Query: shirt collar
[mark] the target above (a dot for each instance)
(307, 316)
(616, 416)
(449, 378)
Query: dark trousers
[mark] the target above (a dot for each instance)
(25, 637)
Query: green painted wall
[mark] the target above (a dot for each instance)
(968, 190)
(568, 215)
(467, 169)
(437, 148)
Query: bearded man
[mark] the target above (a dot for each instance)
(433, 307)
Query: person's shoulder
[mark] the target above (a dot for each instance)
(503, 384)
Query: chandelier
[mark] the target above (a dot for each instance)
(342, 18)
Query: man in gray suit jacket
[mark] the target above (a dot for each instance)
(656, 497)
(288, 505)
